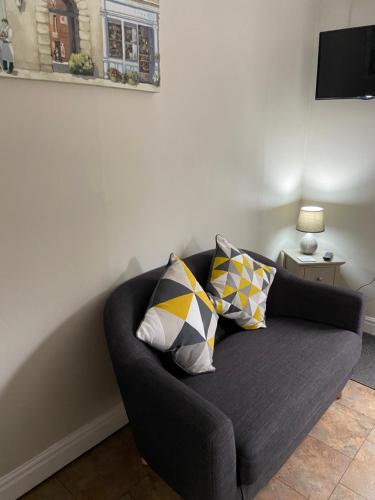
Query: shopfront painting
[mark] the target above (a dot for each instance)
(94, 42)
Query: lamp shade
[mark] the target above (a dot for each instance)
(311, 220)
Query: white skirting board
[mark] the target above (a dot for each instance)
(27, 476)
(369, 325)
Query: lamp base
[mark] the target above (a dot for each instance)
(308, 244)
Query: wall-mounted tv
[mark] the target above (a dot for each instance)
(346, 67)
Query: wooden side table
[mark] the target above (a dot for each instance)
(320, 270)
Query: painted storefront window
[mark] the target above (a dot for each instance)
(131, 44)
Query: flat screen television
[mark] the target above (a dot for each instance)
(346, 67)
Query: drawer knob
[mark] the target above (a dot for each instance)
(319, 278)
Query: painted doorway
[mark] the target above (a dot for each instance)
(63, 31)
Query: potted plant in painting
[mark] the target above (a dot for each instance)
(130, 77)
(114, 75)
(81, 64)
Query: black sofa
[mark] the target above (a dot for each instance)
(222, 436)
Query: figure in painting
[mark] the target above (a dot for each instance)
(6, 36)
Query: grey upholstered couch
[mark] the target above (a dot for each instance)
(222, 436)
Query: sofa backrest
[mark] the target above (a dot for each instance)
(127, 305)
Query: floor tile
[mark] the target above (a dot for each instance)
(152, 488)
(276, 490)
(372, 438)
(342, 493)
(106, 472)
(360, 476)
(360, 398)
(343, 429)
(49, 490)
(119, 463)
(83, 480)
(314, 469)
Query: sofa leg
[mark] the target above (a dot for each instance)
(143, 461)
(339, 396)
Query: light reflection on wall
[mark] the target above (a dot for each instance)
(281, 200)
(351, 184)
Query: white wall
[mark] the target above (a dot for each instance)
(340, 162)
(99, 185)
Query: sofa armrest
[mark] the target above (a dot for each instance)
(186, 440)
(296, 297)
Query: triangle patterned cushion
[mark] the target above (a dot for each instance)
(181, 319)
(239, 285)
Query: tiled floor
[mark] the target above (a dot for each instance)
(336, 462)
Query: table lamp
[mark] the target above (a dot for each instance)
(310, 220)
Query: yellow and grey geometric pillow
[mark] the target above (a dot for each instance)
(239, 285)
(181, 319)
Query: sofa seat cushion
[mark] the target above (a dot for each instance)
(275, 384)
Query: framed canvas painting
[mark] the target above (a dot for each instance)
(113, 43)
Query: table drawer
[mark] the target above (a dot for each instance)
(320, 274)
